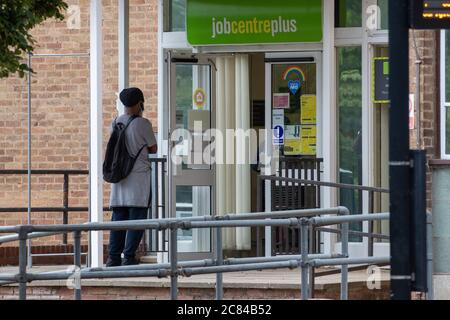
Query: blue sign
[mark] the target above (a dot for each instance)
(278, 135)
(294, 86)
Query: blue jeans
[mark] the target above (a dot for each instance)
(123, 240)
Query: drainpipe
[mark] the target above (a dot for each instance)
(417, 106)
(124, 9)
(399, 154)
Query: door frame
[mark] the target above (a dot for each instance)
(176, 175)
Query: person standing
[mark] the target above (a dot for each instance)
(130, 198)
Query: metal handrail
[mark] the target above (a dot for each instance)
(325, 184)
(303, 219)
(156, 164)
(65, 209)
(295, 181)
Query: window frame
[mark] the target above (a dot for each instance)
(443, 103)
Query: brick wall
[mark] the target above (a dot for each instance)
(428, 48)
(357, 291)
(60, 108)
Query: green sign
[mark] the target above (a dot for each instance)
(380, 80)
(220, 22)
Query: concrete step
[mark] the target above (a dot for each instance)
(148, 259)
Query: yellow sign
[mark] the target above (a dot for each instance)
(293, 147)
(308, 138)
(308, 109)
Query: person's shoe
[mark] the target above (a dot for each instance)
(112, 262)
(130, 262)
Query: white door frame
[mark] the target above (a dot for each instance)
(177, 176)
(367, 39)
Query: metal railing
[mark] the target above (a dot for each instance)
(305, 260)
(65, 209)
(155, 241)
(296, 185)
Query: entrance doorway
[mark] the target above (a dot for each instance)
(248, 91)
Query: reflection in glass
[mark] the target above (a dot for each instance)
(192, 201)
(348, 13)
(383, 5)
(174, 15)
(350, 129)
(193, 105)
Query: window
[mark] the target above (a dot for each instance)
(348, 13)
(349, 92)
(384, 19)
(174, 15)
(445, 95)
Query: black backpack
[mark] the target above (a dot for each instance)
(118, 161)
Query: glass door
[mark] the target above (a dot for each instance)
(293, 114)
(191, 171)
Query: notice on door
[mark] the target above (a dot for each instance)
(278, 127)
(293, 143)
(281, 101)
(308, 109)
(308, 137)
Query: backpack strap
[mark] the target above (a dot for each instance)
(140, 150)
(130, 120)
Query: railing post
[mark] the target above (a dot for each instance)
(312, 250)
(65, 204)
(371, 210)
(219, 260)
(77, 263)
(173, 262)
(23, 236)
(163, 204)
(304, 253)
(430, 293)
(344, 270)
(259, 182)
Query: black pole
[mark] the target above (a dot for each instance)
(399, 150)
